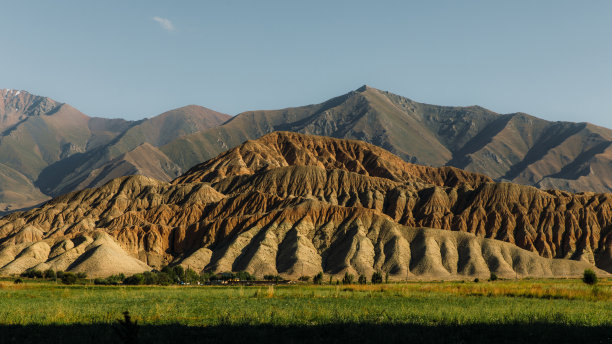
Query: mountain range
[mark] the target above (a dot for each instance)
(48, 148)
(296, 204)
(514, 147)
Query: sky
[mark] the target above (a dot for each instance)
(136, 59)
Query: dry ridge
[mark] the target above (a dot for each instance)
(298, 204)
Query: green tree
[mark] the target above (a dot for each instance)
(245, 276)
(49, 274)
(69, 278)
(191, 276)
(164, 278)
(348, 278)
(377, 277)
(179, 272)
(136, 279)
(150, 278)
(208, 276)
(362, 279)
(275, 278)
(318, 278)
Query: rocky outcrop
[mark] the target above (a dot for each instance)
(298, 204)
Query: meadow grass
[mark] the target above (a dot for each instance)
(526, 310)
(426, 303)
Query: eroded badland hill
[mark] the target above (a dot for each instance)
(298, 204)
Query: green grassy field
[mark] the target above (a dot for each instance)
(504, 311)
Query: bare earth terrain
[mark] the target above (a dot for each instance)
(295, 204)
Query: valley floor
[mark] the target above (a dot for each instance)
(557, 311)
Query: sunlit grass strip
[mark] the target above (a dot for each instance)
(431, 303)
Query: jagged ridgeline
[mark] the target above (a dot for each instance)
(297, 204)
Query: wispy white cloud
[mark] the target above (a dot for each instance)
(166, 24)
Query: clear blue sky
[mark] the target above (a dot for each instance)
(552, 59)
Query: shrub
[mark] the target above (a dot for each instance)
(163, 278)
(304, 278)
(318, 278)
(59, 274)
(149, 278)
(81, 275)
(245, 276)
(110, 280)
(227, 276)
(275, 278)
(69, 278)
(18, 281)
(176, 273)
(589, 277)
(348, 278)
(493, 277)
(362, 279)
(136, 279)
(208, 276)
(387, 277)
(32, 274)
(49, 274)
(476, 280)
(116, 279)
(377, 277)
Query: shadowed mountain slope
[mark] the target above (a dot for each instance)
(38, 132)
(49, 148)
(135, 144)
(299, 204)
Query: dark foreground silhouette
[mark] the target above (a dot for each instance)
(345, 333)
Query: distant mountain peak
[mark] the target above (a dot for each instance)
(364, 88)
(19, 103)
(9, 95)
(11, 92)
